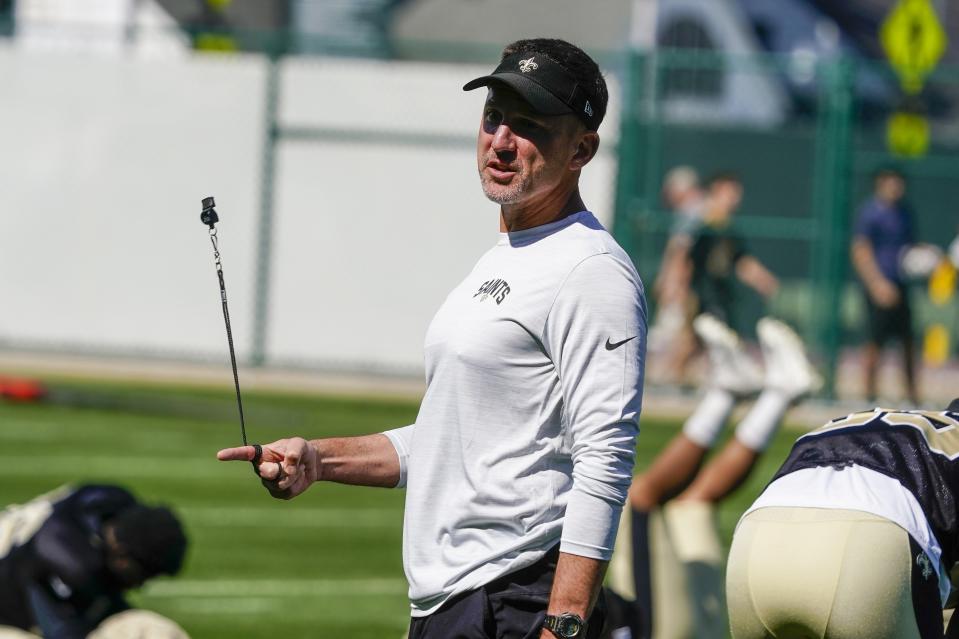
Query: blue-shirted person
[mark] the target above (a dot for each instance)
(883, 231)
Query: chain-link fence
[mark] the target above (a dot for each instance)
(349, 148)
(805, 137)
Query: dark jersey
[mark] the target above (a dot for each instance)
(919, 449)
(888, 228)
(53, 573)
(714, 253)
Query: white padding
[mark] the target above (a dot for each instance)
(706, 423)
(762, 421)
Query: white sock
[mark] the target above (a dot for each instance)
(760, 424)
(707, 421)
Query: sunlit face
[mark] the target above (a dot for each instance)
(890, 187)
(521, 153)
(726, 194)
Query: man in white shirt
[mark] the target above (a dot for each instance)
(520, 458)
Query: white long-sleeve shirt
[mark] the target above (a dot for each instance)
(526, 434)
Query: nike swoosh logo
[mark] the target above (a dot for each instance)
(614, 345)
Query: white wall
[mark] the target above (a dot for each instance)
(103, 165)
(104, 161)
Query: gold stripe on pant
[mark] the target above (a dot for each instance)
(815, 573)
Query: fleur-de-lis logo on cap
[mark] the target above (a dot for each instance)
(528, 65)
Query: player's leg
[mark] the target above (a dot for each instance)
(909, 367)
(722, 475)
(652, 566)
(870, 367)
(795, 573)
(904, 330)
(732, 376)
(876, 330)
(789, 377)
(698, 555)
(638, 546)
(632, 606)
(886, 588)
(691, 517)
(670, 472)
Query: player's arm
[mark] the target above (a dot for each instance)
(752, 273)
(673, 277)
(290, 466)
(880, 289)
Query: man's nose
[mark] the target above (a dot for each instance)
(503, 139)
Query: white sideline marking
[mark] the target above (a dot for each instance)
(268, 588)
(301, 518)
(242, 606)
(120, 466)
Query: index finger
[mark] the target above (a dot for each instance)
(240, 453)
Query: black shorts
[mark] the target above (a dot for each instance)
(890, 323)
(511, 607)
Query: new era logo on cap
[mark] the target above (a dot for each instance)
(528, 65)
(588, 109)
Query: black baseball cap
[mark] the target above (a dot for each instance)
(547, 86)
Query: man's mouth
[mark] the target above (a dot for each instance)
(500, 171)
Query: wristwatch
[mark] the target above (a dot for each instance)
(566, 625)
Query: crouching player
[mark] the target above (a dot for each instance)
(67, 557)
(856, 535)
(666, 576)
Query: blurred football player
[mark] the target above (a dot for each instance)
(883, 231)
(704, 261)
(856, 535)
(666, 577)
(67, 557)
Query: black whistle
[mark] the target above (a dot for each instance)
(209, 216)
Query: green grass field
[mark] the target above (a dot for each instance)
(324, 565)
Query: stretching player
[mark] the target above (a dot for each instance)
(670, 562)
(67, 557)
(856, 535)
(129, 624)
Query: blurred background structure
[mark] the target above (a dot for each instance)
(340, 150)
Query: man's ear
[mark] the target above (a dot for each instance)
(585, 150)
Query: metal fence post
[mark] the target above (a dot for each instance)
(831, 184)
(627, 170)
(650, 138)
(264, 238)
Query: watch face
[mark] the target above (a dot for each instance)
(569, 627)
